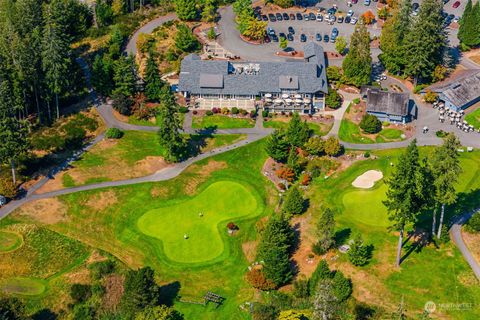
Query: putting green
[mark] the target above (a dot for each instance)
(23, 286)
(222, 201)
(365, 206)
(9, 241)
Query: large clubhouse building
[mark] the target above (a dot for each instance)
(276, 86)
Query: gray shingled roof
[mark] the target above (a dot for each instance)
(310, 75)
(462, 90)
(392, 103)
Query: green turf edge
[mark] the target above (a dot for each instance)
(18, 243)
(39, 285)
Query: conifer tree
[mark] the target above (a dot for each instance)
(357, 65)
(125, 77)
(469, 25)
(298, 132)
(153, 81)
(294, 202)
(171, 140)
(209, 11)
(277, 146)
(186, 10)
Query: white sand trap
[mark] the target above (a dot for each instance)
(368, 179)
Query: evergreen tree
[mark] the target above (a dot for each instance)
(277, 146)
(140, 291)
(425, 43)
(325, 232)
(294, 202)
(186, 10)
(125, 76)
(104, 13)
(292, 161)
(274, 250)
(358, 253)
(185, 40)
(446, 169)
(153, 81)
(404, 196)
(342, 286)
(171, 140)
(468, 31)
(393, 35)
(297, 131)
(102, 75)
(322, 272)
(357, 65)
(209, 11)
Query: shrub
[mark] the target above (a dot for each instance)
(209, 113)
(113, 133)
(195, 112)
(102, 268)
(300, 288)
(122, 104)
(182, 109)
(306, 180)
(441, 134)
(265, 113)
(366, 154)
(445, 237)
(473, 225)
(74, 136)
(321, 166)
(216, 110)
(368, 17)
(243, 112)
(281, 186)
(430, 96)
(332, 146)
(225, 110)
(235, 110)
(253, 113)
(358, 253)
(370, 124)
(419, 87)
(333, 99)
(80, 292)
(51, 141)
(356, 100)
(257, 279)
(8, 188)
(232, 226)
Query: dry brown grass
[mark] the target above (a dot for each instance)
(305, 265)
(113, 291)
(102, 200)
(472, 240)
(249, 249)
(46, 211)
(201, 174)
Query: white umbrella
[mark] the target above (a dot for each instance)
(284, 96)
(306, 100)
(298, 96)
(278, 101)
(298, 100)
(268, 100)
(268, 95)
(288, 101)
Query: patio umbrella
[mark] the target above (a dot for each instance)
(279, 101)
(306, 100)
(288, 101)
(298, 96)
(268, 100)
(268, 95)
(284, 96)
(298, 101)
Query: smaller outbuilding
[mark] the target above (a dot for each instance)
(395, 107)
(459, 91)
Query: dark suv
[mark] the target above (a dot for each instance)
(299, 16)
(279, 16)
(291, 30)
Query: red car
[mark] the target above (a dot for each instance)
(354, 1)
(456, 4)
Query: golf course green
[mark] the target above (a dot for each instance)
(9, 241)
(201, 219)
(23, 286)
(365, 206)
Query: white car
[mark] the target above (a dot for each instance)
(350, 13)
(354, 20)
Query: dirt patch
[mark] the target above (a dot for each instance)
(472, 241)
(201, 174)
(119, 117)
(113, 291)
(160, 192)
(151, 165)
(368, 179)
(305, 260)
(250, 250)
(102, 200)
(96, 256)
(78, 276)
(269, 170)
(47, 211)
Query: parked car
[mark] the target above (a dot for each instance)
(303, 38)
(270, 31)
(350, 13)
(290, 37)
(334, 32)
(456, 19)
(456, 4)
(285, 16)
(331, 11)
(292, 16)
(326, 38)
(278, 15)
(306, 16)
(264, 17)
(354, 20)
(366, 2)
(274, 37)
(332, 18)
(445, 1)
(3, 200)
(348, 19)
(291, 30)
(312, 16)
(271, 17)
(266, 39)
(318, 37)
(340, 20)
(299, 16)
(282, 35)
(319, 17)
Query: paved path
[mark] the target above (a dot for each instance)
(456, 236)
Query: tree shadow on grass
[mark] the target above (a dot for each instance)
(169, 292)
(341, 236)
(421, 239)
(45, 314)
(197, 142)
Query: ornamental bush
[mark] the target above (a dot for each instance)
(182, 109)
(209, 113)
(235, 110)
(333, 99)
(113, 133)
(7, 188)
(370, 124)
(257, 279)
(473, 225)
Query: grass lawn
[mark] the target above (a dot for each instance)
(473, 118)
(23, 286)
(351, 132)
(320, 129)
(427, 274)
(171, 222)
(9, 241)
(221, 122)
(153, 122)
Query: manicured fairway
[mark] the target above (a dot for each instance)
(9, 241)
(365, 206)
(220, 203)
(22, 286)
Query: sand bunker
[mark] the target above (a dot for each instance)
(368, 179)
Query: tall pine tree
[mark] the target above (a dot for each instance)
(357, 65)
(171, 140)
(153, 81)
